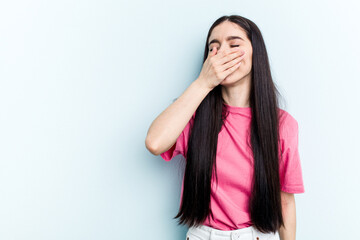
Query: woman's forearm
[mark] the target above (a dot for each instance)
(289, 215)
(168, 125)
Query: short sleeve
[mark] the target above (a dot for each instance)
(180, 146)
(290, 170)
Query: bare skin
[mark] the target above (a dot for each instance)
(289, 215)
(235, 92)
(228, 66)
(167, 126)
(236, 86)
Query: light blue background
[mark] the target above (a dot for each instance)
(81, 82)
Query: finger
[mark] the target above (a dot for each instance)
(232, 69)
(228, 51)
(231, 56)
(231, 63)
(213, 52)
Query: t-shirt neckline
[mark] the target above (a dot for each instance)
(236, 109)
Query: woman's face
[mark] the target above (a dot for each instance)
(221, 38)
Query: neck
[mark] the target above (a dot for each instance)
(237, 94)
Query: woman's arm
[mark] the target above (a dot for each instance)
(167, 127)
(289, 215)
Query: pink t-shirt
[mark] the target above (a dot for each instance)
(230, 197)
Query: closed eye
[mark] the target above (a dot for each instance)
(230, 46)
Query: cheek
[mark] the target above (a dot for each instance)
(244, 66)
(245, 62)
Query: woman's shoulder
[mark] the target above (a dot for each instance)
(287, 123)
(286, 116)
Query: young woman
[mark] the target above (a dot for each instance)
(241, 149)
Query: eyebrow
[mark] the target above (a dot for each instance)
(228, 39)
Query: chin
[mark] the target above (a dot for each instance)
(232, 78)
(235, 77)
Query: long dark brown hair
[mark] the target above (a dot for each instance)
(265, 201)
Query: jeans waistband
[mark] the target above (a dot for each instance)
(214, 231)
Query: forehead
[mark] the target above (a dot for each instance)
(226, 29)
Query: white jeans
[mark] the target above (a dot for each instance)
(203, 232)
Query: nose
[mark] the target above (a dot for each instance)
(223, 48)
